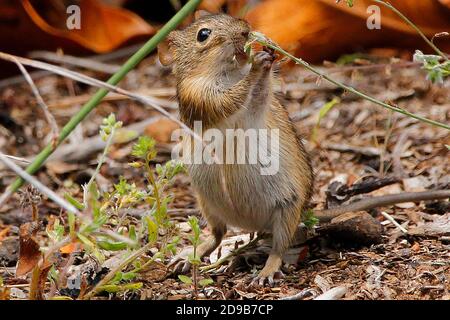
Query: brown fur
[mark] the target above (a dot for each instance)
(220, 91)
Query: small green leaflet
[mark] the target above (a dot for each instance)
(322, 113)
(185, 279)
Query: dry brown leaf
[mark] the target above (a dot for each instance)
(212, 6)
(4, 233)
(29, 253)
(4, 293)
(61, 167)
(33, 25)
(234, 7)
(445, 2)
(103, 28)
(320, 29)
(161, 130)
(70, 248)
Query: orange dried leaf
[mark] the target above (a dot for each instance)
(71, 247)
(39, 24)
(4, 233)
(212, 6)
(161, 130)
(103, 28)
(29, 251)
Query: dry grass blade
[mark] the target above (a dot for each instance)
(76, 61)
(48, 115)
(38, 185)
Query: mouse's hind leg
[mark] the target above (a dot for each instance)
(285, 222)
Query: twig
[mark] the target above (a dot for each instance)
(38, 185)
(333, 294)
(75, 61)
(268, 43)
(18, 159)
(233, 253)
(70, 101)
(48, 115)
(121, 53)
(395, 223)
(401, 15)
(381, 201)
(76, 152)
(342, 147)
(114, 80)
(299, 296)
(334, 70)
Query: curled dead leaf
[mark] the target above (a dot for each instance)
(33, 25)
(102, 29)
(29, 251)
(70, 248)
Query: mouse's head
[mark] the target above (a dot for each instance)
(212, 41)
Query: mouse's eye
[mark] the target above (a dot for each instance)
(203, 34)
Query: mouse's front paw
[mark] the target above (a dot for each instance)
(263, 60)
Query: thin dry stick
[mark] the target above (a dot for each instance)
(38, 185)
(75, 61)
(18, 159)
(333, 294)
(48, 115)
(368, 67)
(79, 99)
(300, 296)
(395, 223)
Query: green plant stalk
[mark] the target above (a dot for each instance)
(348, 88)
(416, 28)
(194, 273)
(152, 180)
(100, 94)
(100, 163)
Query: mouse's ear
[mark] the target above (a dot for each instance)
(201, 13)
(165, 50)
